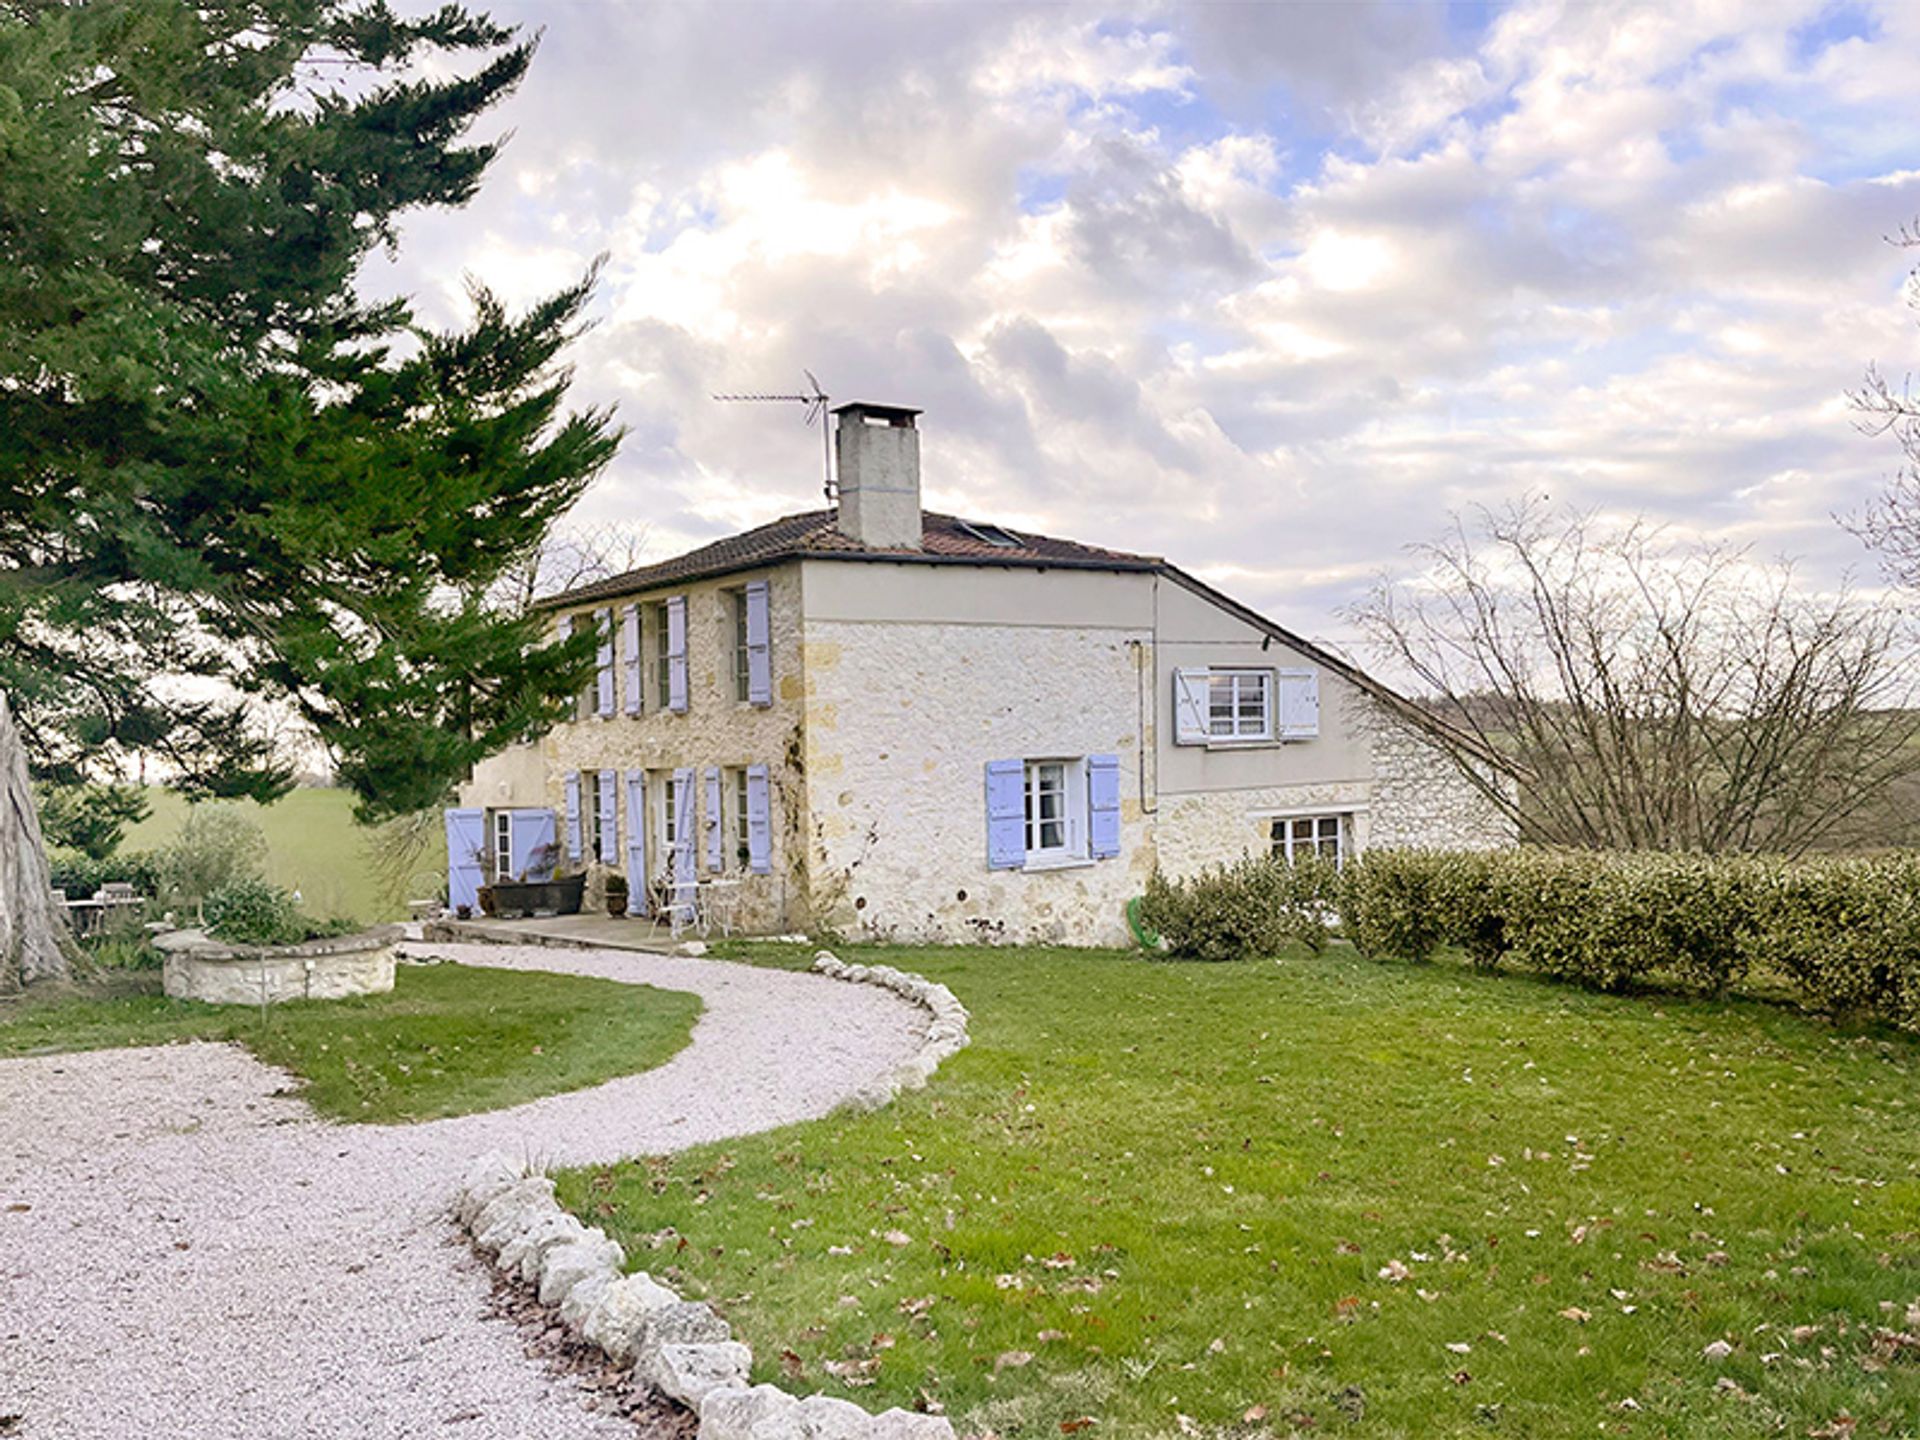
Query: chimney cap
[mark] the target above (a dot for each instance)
(894, 414)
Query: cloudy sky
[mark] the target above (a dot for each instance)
(1266, 289)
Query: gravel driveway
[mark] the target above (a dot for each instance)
(203, 1258)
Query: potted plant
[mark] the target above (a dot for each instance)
(616, 895)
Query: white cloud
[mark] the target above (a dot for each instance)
(1266, 290)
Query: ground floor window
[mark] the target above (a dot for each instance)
(739, 833)
(1056, 803)
(502, 845)
(1322, 835)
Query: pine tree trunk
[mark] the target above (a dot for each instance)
(34, 939)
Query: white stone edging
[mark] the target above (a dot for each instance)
(684, 1348)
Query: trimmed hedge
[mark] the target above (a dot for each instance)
(81, 876)
(1842, 934)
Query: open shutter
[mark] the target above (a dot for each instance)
(1103, 806)
(1190, 707)
(630, 640)
(684, 877)
(1299, 710)
(677, 654)
(608, 815)
(466, 857)
(571, 795)
(530, 849)
(759, 821)
(636, 842)
(603, 695)
(710, 818)
(759, 652)
(1006, 814)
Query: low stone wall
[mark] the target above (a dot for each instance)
(330, 969)
(681, 1348)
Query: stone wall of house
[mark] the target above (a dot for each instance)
(1421, 797)
(901, 719)
(716, 730)
(1409, 792)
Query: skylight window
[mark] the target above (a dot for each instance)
(990, 535)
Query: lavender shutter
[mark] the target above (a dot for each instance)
(759, 821)
(571, 798)
(710, 819)
(603, 676)
(1103, 806)
(630, 632)
(759, 645)
(1299, 704)
(684, 881)
(1006, 814)
(636, 842)
(677, 654)
(530, 849)
(466, 857)
(608, 841)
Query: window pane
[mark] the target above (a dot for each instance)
(1053, 834)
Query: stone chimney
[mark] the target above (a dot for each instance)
(877, 459)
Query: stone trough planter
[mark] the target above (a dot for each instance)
(201, 968)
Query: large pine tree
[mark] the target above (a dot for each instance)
(224, 476)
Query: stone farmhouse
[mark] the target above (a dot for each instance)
(904, 725)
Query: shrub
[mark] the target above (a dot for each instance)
(1252, 907)
(216, 846)
(252, 912)
(81, 875)
(1390, 903)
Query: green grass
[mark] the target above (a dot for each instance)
(313, 846)
(1161, 1197)
(449, 1040)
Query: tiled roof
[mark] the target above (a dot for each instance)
(945, 540)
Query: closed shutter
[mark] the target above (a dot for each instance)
(571, 798)
(1299, 707)
(759, 651)
(636, 842)
(711, 819)
(759, 821)
(684, 877)
(530, 848)
(1190, 707)
(1006, 814)
(466, 857)
(677, 654)
(1103, 806)
(604, 696)
(608, 815)
(630, 632)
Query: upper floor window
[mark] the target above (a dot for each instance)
(1055, 798)
(1240, 705)
(659, 639)
(738, 645)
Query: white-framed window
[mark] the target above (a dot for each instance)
(738, 647)
(1056, 798)
(590, 814)
(502, 845)
(669, 812)
(659, 640)
(1323, 835)
(1240, 704)
(739, 837)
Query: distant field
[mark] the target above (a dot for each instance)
(314, 847)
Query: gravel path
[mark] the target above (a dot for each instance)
(186, 1252)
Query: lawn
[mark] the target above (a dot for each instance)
(313, 846)
(449, 1040)
(1326, 1196)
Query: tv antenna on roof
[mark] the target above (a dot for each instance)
(816, 404)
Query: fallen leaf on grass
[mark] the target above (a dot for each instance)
(1255, 1414)
(1077, 1424)
(1574, 1312)
(1012, 1360)
(897, 1237)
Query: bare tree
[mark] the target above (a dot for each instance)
(1653, 695)
(571, 555)
(1891, 522)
